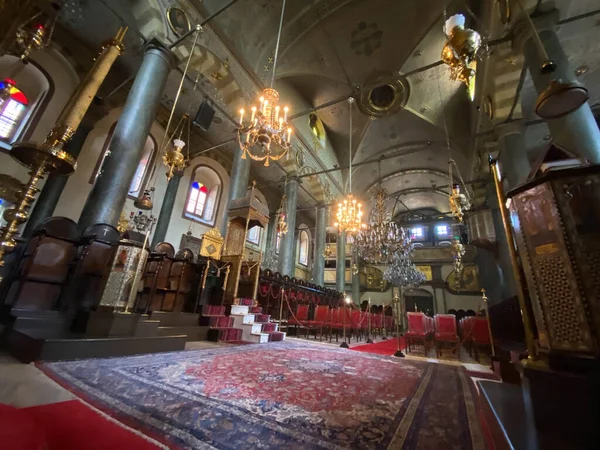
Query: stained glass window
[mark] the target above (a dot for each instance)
(13, 109)
(197, 199)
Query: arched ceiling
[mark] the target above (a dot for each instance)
(330, 50)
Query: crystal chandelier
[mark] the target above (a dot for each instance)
(403, 273)
(382, 239)
(461, 50)
(349, 213)
(267, 136)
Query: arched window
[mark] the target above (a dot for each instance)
(13, 109)
(197, 199)
(142, 173)
(304, 242)
(203, 195)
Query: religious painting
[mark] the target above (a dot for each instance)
(121, 260)
(465, 282)
(178, 21)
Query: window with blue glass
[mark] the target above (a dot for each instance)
(13, 109)
(203, 196)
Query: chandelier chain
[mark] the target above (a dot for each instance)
(277, 45)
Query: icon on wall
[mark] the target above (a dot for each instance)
(178, 21)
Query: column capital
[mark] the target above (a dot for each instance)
(522, 31)
(506, 129)
(160, 49)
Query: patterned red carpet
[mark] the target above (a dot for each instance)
(293, 395)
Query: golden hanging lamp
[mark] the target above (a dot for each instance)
(461, 49)
(34, 34)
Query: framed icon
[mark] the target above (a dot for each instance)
(178, 21)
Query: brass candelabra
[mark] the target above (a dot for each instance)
(49, 156)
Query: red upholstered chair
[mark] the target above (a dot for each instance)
(445, 332)
(337, 322)
(320, 321)
(417, 331)
(481, 335)
(354, 326)
(300, 319)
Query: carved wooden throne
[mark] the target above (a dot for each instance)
(244, 213)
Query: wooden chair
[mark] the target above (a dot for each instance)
(445, 333)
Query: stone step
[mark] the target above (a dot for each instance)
(240, 309)
(261, 338)
(254, 327)
(240, 319)
(276, 336)
(175, 319)
(195, 333)
(148, 328)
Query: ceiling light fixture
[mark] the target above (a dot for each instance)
(33, 35)
(461, 50)
(267, 136)
(561, 97)
(382, 240)
(349, 213)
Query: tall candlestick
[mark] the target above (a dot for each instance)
(241, 117)
(253, 113)
(277, 113)
(289, 136)
(285, 111)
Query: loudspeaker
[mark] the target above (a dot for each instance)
(204, 116)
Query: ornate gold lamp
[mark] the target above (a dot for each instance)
(49, 156)
(459, 202)
(349, 213)
(174, 157)
(35, 34)
(267, 136)
(461, 50)
(282, 227)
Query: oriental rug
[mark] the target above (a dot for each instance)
(282, 395)
(387, 348)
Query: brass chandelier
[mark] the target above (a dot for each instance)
(267, 135)
(349, 213)
(459, 202)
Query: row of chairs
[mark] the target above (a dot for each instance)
(441, 331)
(327, 321)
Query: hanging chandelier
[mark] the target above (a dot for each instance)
(349, 213)
(267, 135)
(382, 239)
(403, 273)
(461, 50)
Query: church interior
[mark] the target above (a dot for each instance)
(299, 224)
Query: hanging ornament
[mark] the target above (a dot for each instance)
(328, 251)
(458, 251)
(267, 136)
(145, 201)
(35, 34)
(459, 202)
(282, 227)
(461, 50)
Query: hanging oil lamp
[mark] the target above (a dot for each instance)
(145, 201)
(34, 35)
(282, 227)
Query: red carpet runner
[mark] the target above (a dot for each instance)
(69, 425)
(387, 348)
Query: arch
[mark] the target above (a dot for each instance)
(29, 86)
(304, 240)
(142, 173)
(203, 195)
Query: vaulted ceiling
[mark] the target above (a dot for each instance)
(409, 118)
